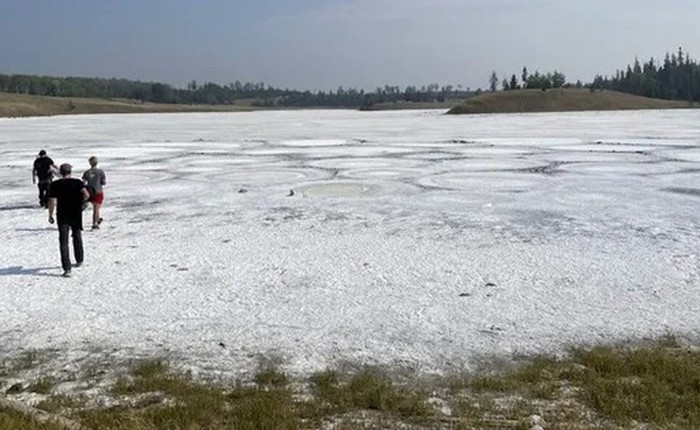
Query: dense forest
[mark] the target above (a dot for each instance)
(211, 93)
(677, 78)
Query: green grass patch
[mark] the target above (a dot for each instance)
(162, 398)
(656, 383)
(151, 376)
(538, 377)
(270, 376)
(369, 389)
(653, 384)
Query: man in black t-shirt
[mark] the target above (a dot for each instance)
(43, 169)
(67, 196)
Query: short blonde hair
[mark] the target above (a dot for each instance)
(93, 161)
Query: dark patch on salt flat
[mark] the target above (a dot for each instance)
(685, 191)
(549, 169)
(17, 207)
(685, 171)
(131, 204)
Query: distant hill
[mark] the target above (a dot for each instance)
(560, 99)
(21, 105)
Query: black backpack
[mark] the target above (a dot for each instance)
(43, 168)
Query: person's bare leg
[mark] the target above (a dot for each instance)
(96, 213)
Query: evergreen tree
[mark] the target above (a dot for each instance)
(558, 79)
(493, 81)
(505, 85)
(514, 83)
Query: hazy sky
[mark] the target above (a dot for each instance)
(316, 44)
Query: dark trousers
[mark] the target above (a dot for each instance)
(44, 193)
(63, 232)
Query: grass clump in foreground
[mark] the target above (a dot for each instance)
(368, 389)
(653, 385)
(656, 385)
(154, 397)
(11, 419)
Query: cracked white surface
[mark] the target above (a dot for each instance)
(411, 237)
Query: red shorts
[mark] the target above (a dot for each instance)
(98, 198)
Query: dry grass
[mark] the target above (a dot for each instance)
(369, 389)
(23, 105)
(654, 385)
(10, 419)
(559, 100)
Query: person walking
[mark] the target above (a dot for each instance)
(95, 179)
(43, 171)
(67, 196)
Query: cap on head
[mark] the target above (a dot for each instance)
(93, 161)
(65, 169)
(42, 153)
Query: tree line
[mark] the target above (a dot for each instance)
(215, 94)
(676, 78)
(366, 99)
(536, 80)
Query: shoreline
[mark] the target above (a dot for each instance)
(584, 387)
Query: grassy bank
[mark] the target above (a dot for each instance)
(24, 105)
(561, 100)
(655, 385)
(553, 100)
